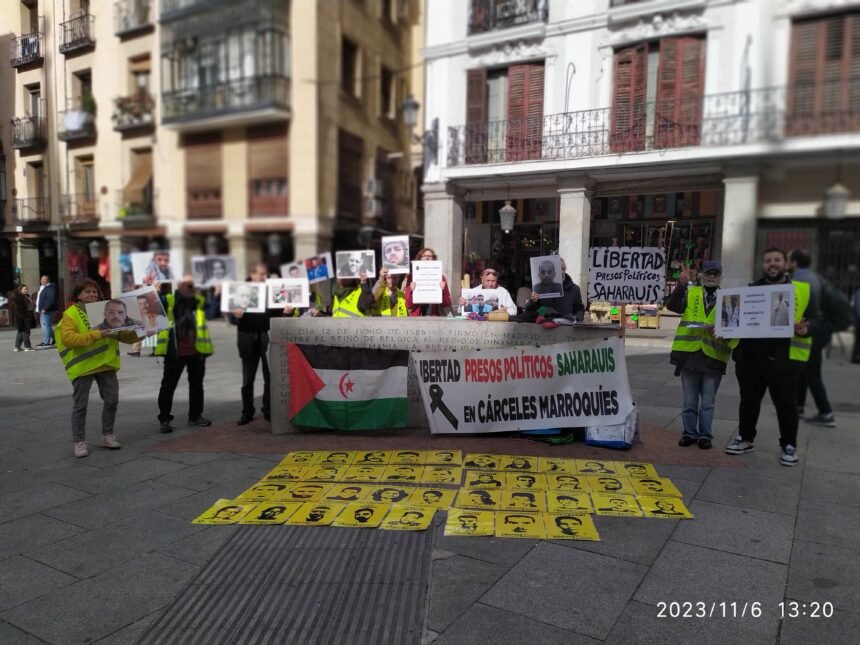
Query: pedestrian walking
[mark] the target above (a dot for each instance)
(698, 356)
(90, 355)
(47, 305)
(186, 345)
(772, 365)
(24, 319)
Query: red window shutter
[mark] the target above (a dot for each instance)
(524, 132)
(534, 111)
(476, 116)
(628, 99)
(680, 86)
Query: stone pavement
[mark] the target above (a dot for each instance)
(94, 550)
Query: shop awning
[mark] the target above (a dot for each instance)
(141, 177)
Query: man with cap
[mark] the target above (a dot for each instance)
(698, 356)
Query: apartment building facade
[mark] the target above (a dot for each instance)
(216, 126)
(710, 128)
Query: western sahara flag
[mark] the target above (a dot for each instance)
(346, 388)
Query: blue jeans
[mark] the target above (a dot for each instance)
(697, 385)
(45, 319)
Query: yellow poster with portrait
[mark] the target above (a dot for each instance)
(469, 523)
(445, 457)
(568, 483)
(413, 457)
(484, 479)
(347, 493)
(371, 458)
(435, 497)
(366, 515)
(526, 481)
(479, 498)
(408, 518)
(389, 494)
(595, 467)
(655, 487)
(520, 525)
(301, 458)
(225, 511)
(523, 500)
(568, 526)
(304, 492)
(667, 508)
(482, 461)
(519, 463)
(637, 470)
(286, 474)
(573, 503)
(265, 490)
(555, 465)
(615, 504)
(363, 473)
(335, 458)
(442, 475)
(270, 513)
(323, 473)
(403, 473)
(316, 514)
(610, 484)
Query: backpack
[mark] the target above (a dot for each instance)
(835, 307)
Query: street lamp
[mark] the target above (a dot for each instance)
(430, 139)
(507, 213)
(836, 201)
(273, 242)
(95, 248)
(212, 245)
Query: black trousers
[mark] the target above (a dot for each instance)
(780, 379)
(173, 366)
(253, 348)
(810, 377)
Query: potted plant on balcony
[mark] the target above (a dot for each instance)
(133, 110)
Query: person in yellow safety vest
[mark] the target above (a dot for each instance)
(186, 344)
(698, 356)
(351, 299)
(90, 355)
(388, 299)
(775, 365)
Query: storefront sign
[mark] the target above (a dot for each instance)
(626, 274)
(755, 312)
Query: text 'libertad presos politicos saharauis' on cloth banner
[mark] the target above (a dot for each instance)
(569, 384)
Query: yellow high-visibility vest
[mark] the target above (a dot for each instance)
(83, 360)
(800, 346)
(202, 340)
(348, 306)
(693, 339)
(383, 305)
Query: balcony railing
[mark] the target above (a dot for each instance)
(75, 124)
(26, 49)
(729, 119)
(31, 210)
(203, 202)
(79, 208)
(132, 112)
(488, 15)
(77, 34)
(138, 212)
(268, 196)
(168, 6)
(131, 16)
(253, 93)
(28, 132)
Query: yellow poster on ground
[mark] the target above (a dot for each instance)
(655, 487)
(408, 518)
(523, 500)
(225, 511)
(518, 462)
(335, 458)
(442, 475)
(389, 494)
(573, 503)
(286, 474)
(301, 458)
(436, 497)
(613, 504)
(403, 473)
(265, 490)
(362, 473)
(482, 460)
(484, 479)
(326, 473)
(568, 483)
(668, 508)
(637, 470)
(371, 458)
(469, 523)
(567, 526)
(609, 484)
(554, 465)
(304, 492)
(270, 513)
(362, 515)
(520, 525)
(479, 498)
(414, 457)
(316, 513)
(595, 467)
(526, 481)
(445, 457)
(347, 493)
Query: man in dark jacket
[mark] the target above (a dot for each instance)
(47, 304)
(569, 305)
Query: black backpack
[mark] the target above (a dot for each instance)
(835, 307)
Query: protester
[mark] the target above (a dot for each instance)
(351, 298)
(90, 355)
(24, 319)
(490, 280)
(699, 357)
(774, 365)
(47, 305)
(821, 330)
(185, 345)
(388, 299)
(569, 305)
(441, 309)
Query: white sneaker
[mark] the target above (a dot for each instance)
(739, 446)
(789, 456)
(81, 449)
(109, 441)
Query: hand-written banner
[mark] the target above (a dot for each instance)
(525, 388)
(626, 274)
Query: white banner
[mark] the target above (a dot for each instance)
(626, 274)
(569, 384)
(755, 312)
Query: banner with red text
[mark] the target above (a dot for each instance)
(526, 388)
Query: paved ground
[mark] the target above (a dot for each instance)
(94, 550)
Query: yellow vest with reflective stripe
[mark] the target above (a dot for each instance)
(383, 305)
(348, 307)
(693, 339)
(800, 346)
(202, 341)
(79, 361)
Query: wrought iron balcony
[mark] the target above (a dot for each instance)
(26, 49)
(133, 112)
(77, 34)
(139, 210)
(230, 97)
(79, 208)
(131, 16)
(489, 15)
(31, 211)
(28, 132)
(76, 124)
(729, 119)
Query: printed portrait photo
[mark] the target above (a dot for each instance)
(395, 254)
(350, 264)
(248, 296)
(114, 315)
(212, 270)
(318, 268)
(294, 270)
(731, 311)
(156, 266)
(547, 276)
(293, 292)
(780, 316)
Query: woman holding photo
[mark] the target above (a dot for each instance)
(441, 309)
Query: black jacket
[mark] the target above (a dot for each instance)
(48, 299)
(569, 305)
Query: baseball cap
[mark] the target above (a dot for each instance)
(712, 265)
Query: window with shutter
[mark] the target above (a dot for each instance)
(267, 171)
(680, 86)
(203, 175)
(476, 116)
(630, 78)
(525, 112)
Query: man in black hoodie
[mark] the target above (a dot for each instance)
(569, 305)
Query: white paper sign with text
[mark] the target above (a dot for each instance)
(755, 312)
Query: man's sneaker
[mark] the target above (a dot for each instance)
(739, 446)
(166, 427)
(685, 441)
(789, 456)
(29, 349)
(200, 422)
(17, 349)
(81, 449)
(825, 420)
(109, 441)
(705, 443)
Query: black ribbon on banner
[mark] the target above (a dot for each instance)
(436, 403)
